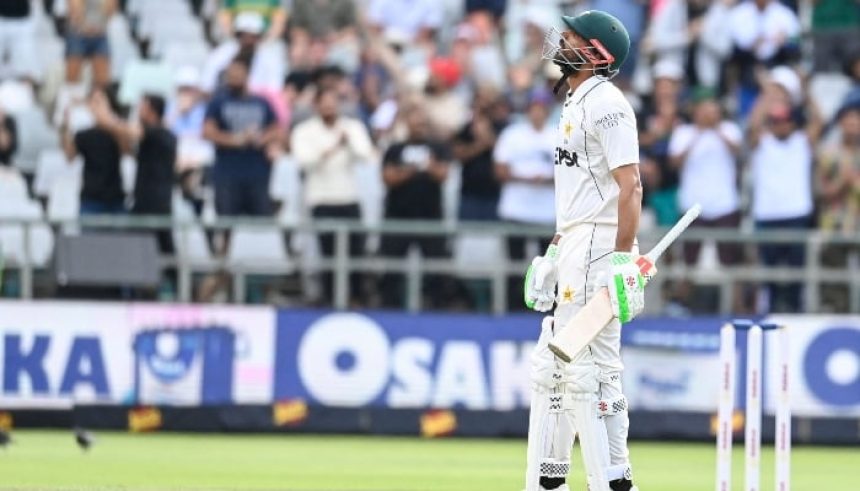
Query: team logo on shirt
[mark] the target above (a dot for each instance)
(565, 157)
(609, 120)
(567, 295)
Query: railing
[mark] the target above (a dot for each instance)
(414, 267)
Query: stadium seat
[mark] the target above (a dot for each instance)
(13, 187)
(285, 186)
(189, 238)
(166, 31)
(178, 54)
(259, 249)
(477, 255)
(64, 198)
(12, 238)
(51, 166)
(128, 172)
(141, 77)
(122, 46)
(34, 135)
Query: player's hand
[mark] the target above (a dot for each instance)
(541, 279)
(626, 279)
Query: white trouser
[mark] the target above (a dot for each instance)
(584, 253)
(564, 404)
(18, 43)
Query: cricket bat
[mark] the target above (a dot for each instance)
(597, 313)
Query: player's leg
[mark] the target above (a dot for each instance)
(612, 406)
(606, 349)
(580, 404)
(550, 436)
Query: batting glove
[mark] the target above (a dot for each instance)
(628, 274)
(541, 279)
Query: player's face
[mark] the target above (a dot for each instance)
(569, 42)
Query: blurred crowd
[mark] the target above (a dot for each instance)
(432, 110)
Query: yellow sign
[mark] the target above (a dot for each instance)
(438, 423)
(5, 421)
(289, 412)
(144, 419)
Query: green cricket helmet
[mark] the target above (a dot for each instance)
(607, 38)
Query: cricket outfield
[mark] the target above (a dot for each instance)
(156, 461)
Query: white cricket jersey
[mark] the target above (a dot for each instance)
(597, 134)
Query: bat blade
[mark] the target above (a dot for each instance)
(581, 330)
(589, 321)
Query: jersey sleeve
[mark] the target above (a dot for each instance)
(614, 124)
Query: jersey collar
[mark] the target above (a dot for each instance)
(583, 89)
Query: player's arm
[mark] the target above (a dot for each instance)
(629, 205)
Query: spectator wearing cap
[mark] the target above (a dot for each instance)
(764, 33)
(473, 147)
(525, 166)
(8, 138)
(327, 148)
(413, 172)
(272, 13)
(835, 27)
(101, 187)
(705, 153)
(241, 126)
(18, 40)
(86, 39)
(267, 66)
(446, 109)
(782, 177)
(659, 117)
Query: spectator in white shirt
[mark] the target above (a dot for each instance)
(327, 147)
(705, 154)
(764, 32)
(412, 20)
(268, 67)
(524, 164)
(782, 168)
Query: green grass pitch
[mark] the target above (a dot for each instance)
(51, 460)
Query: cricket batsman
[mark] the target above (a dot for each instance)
(598, 203)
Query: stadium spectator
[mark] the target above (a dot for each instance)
(781, 167)
(473, 147)
(413, 172)
(272, 13)
(185, 117)
(835, 24)
(713, 45)
(409, 20)
(445, 107)
(633, 15)
(328, 147)
(480, 59)
(18, 40)
(267, 67)
(101, 190)
(764, 33)
(86, 39)
(240, 125)
(838, 175)
(8, 138)
(330, 25)
(704, 153)
(671, 30)
(154, 148)
(659, 117)
(524, 161)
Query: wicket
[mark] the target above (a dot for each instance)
(752, 435)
